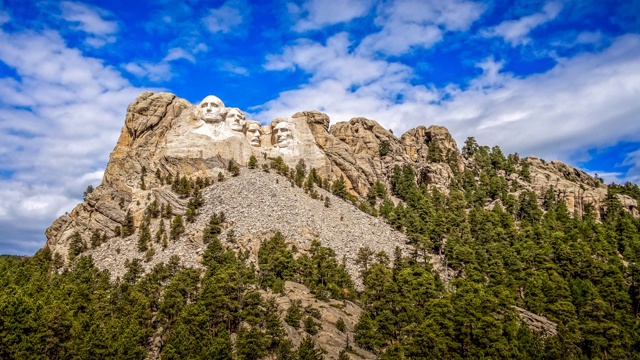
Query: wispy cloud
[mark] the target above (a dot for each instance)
(516, 31)
(229, 67)
(59, 119)
(407, 24)
(90, 20)
(177, 54)
(316, 14)
(227, 18)
(159, 71)
(633, 160)
(583, 102)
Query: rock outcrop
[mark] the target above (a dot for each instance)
(166, 135)
(329, 337)
(575, 187)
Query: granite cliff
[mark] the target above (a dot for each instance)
(165, 135)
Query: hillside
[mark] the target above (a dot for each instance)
(215, 236)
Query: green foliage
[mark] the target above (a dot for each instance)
(88, 191)
(278, 165)
(253, 162)
(76, 245)
(320, 271)
(630, 189)
(301, 173)
(96, 239)
(144, 238)
(213, 228)
(177, 227)
(294, 314)
(128, 227)
(470, 147)
(308, 350)
(310, 326)
(385, 148)
(526, 251)
(435, 152)
(153, 209)
(276, 263)
(339, 188)
(233, 168)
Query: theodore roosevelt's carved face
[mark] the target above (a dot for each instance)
(282, 134)
(254, 130)
(235, 119)
(211, 109)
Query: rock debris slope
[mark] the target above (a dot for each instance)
(256, 203)
(256, 206)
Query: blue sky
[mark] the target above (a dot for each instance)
(555, 79)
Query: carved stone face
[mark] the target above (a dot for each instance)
(236, 119)
(282, 134)
(211, 109)
(254, 130)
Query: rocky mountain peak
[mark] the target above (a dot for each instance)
(165, 137)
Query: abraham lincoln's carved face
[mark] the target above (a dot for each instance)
(283, 134)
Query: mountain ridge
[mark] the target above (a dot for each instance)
(157, 139)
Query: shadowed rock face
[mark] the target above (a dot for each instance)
(166, 134)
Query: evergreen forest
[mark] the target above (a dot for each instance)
(580, 271)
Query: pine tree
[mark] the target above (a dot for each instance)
(76, 245)
(88, 191)
(144, 238)
(177, 227)
(339, 188)
(95, 239)
(308, 350)
(253, 162)
(294, 314)
(128, 227)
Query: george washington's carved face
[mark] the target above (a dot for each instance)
(211, 109)
(283, 134)
(235, 119)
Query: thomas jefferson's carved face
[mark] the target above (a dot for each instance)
(283, 135)
(211, 109)
(235, 119)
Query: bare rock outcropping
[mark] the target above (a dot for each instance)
(166, 135)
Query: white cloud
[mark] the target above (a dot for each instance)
(59, 120)
(516, 31)
(227, 18)
(177, 54)
(407, 24)
(633, 174)
(160, 71)
(232, 68)
(90, 19)
(316, 14)
(587, 101)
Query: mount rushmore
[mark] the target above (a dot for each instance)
(166, 135)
